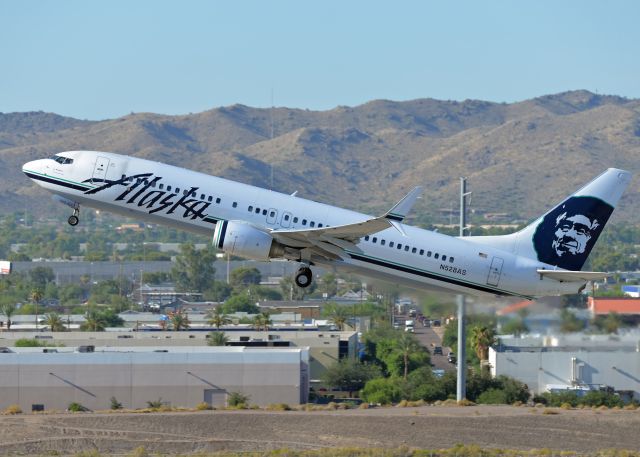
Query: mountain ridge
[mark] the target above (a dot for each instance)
(520, 158)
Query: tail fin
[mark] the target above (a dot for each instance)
(564, 236)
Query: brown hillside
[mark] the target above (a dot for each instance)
(520, 158)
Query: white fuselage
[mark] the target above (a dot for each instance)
(194, 201)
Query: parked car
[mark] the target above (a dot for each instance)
(451, 358)
(437, 350)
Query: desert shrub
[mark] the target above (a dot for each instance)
(155, 404)
(566, 406)
(382, 390)
(13, 409)
(237, 400)
(203, 406)
(115, 404)
(492, 397)
(76, 407)
(278, 407)
(550, 411)
(598, 398)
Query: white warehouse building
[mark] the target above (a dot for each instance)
(179, 376)
(571, 362)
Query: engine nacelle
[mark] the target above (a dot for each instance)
(244, 240)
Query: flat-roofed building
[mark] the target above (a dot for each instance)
(52, 378)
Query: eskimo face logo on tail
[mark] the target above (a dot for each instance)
(567, 234)
(140, 190)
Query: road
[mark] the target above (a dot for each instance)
(430, 337)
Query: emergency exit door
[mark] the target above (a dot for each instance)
(495, 270)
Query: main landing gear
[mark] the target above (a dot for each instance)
(74, 219)
(303, 277)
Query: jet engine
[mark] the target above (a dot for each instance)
(244, 240)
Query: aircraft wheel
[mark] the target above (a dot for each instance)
(303, 277)
(73, 220)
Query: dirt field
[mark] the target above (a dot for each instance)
(428, 427)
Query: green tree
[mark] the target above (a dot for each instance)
(350, 374)
(54, 322)
(179, 320)
(93, 322)
(8, 309)
(329, 285)
(407, 344)
(482, 337)
(609, 323)
(193, 270)
(217, 339)
(218, 291)
(40, 276)
(217, 318)
(569, 322)
(239, 303)
(337, 314)
(515, 327)
(262, 321)
(290, 291)
(243, 277)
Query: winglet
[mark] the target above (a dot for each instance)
(402, 208)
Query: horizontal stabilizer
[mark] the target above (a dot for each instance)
(573, 276)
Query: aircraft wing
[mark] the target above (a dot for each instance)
(331, 242)
(573, 276)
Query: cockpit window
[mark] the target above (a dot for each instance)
(62, 160)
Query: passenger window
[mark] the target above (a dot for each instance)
(319, 225)
(176, 190)
(304, 222)
(421, 251)
(210, 198)
(444, 258)
(436, 255)
(428, 253)
(161, 186)
(202, 197)
(272, 214)
(257, 210)
(366, 238)
(286, 217)
(413, 251)
(406, 248)
(218, 200)
(264, 212)
(312, 224)
(382, 242)
(295, 220)
(250, 208)
(390, 244)
(399, 245)
(235, 204)
(168, 188)
(375, 239)
(185, 192)
(450, 259)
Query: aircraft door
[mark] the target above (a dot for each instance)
(495, 271)
(286, 219)
(100, 170)
(272, 216)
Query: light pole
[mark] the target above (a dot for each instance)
(461, 388)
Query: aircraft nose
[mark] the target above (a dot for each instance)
(33, 166)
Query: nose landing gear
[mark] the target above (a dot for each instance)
(303, 277)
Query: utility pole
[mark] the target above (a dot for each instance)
(461, 391)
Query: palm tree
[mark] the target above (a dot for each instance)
(93, 322)
(339, 315)
(179, 320)
(8, 309)
(262, 321)
(36, 295)
(482, 338)
(217, 318)
(406, 345)
(54, 321)
(217, 339)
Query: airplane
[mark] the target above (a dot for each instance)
(545, 258)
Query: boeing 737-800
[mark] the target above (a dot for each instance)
(545, 258)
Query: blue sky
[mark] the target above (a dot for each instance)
(104, 59)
